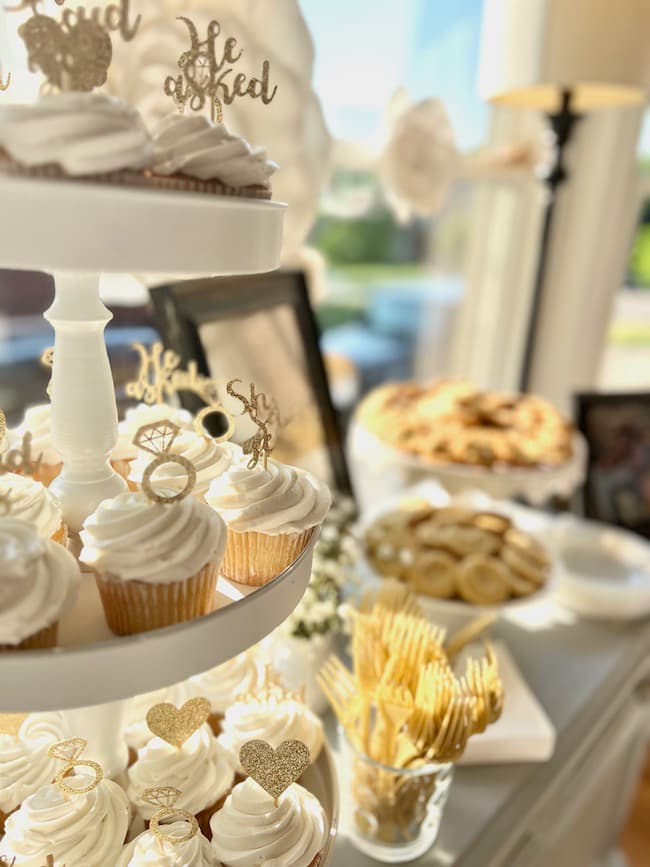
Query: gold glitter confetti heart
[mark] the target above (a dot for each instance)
(176, 725)
(274, 770)
(10, 723)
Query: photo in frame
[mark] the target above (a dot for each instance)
(260, 329)
(617, 429)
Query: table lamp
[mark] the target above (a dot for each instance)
(565, 58)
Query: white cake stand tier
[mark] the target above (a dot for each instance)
(77, 230)
(93, 667)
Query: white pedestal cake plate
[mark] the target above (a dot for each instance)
(76, 231)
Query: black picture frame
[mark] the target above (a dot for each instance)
(617, 429)
(180, 309)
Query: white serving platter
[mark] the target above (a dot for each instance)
(92, 666)
(78, 226)
(604, 571)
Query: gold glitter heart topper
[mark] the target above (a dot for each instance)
(274, 770)
(208, 77)
(74, 53)
(177, 725)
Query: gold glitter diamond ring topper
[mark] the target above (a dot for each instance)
(176, 725)
(74, 53)
(166, 798)
(274, 770)
(4, 85)
(261, 412)
(158, 438)
(208, 77)
(69, 751)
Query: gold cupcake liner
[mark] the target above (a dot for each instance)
(130, 178)
(44, 639)
(61, 536)
(257, 558)
(139, 606)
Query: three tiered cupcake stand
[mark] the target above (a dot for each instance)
(77, 231)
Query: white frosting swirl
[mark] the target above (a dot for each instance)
(134, 539)
(194, 146)
(38, 422)
(148, 851)
(210, 460)
(39, 581)
(142, 414)
(25, 765)
(84, 133)
(200, 769)
(86, 830)
(137, 732)
(273, 721)
(222, 685)
(33, 503)
(251, 831)
(279, 499)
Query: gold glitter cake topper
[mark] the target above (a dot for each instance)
(166, 797)
(157, 439)
(47, 360)
(69, 752)
(159, 380)
(17, 460)
(10, 723)
(206, 72)
(260, 444)
(4, 85)
(177, 725)
(274, 770)
(75, 53)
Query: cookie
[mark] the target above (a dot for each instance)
(527, 546)
(519, 586)
(492, 522)
(433, 574)
(523, 567)
(482, 580)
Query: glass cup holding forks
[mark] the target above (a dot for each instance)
(392, 814)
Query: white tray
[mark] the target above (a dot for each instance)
(78, 226)
(94, 667)
(322, 782)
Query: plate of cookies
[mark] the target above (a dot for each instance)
(464, 553)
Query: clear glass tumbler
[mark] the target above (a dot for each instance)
(391, 814)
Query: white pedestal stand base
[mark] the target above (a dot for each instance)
(103, 727)
(84, 412)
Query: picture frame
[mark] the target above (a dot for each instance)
(259, 329)
(617, 429)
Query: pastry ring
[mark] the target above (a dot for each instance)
(155, 827)
(160, 461)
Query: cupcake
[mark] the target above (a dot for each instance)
(137, 733)
(125, 450)
(148, 850)
(223, 684)
(75, 135)
(29, 501)
(210, 460)
(192, 153)
(76, 829)
(155, 564)
(271, 714)
(252, 829)
(38, 422)
(271, 515)
(39, 581)
(25, 764)
(200, 769)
